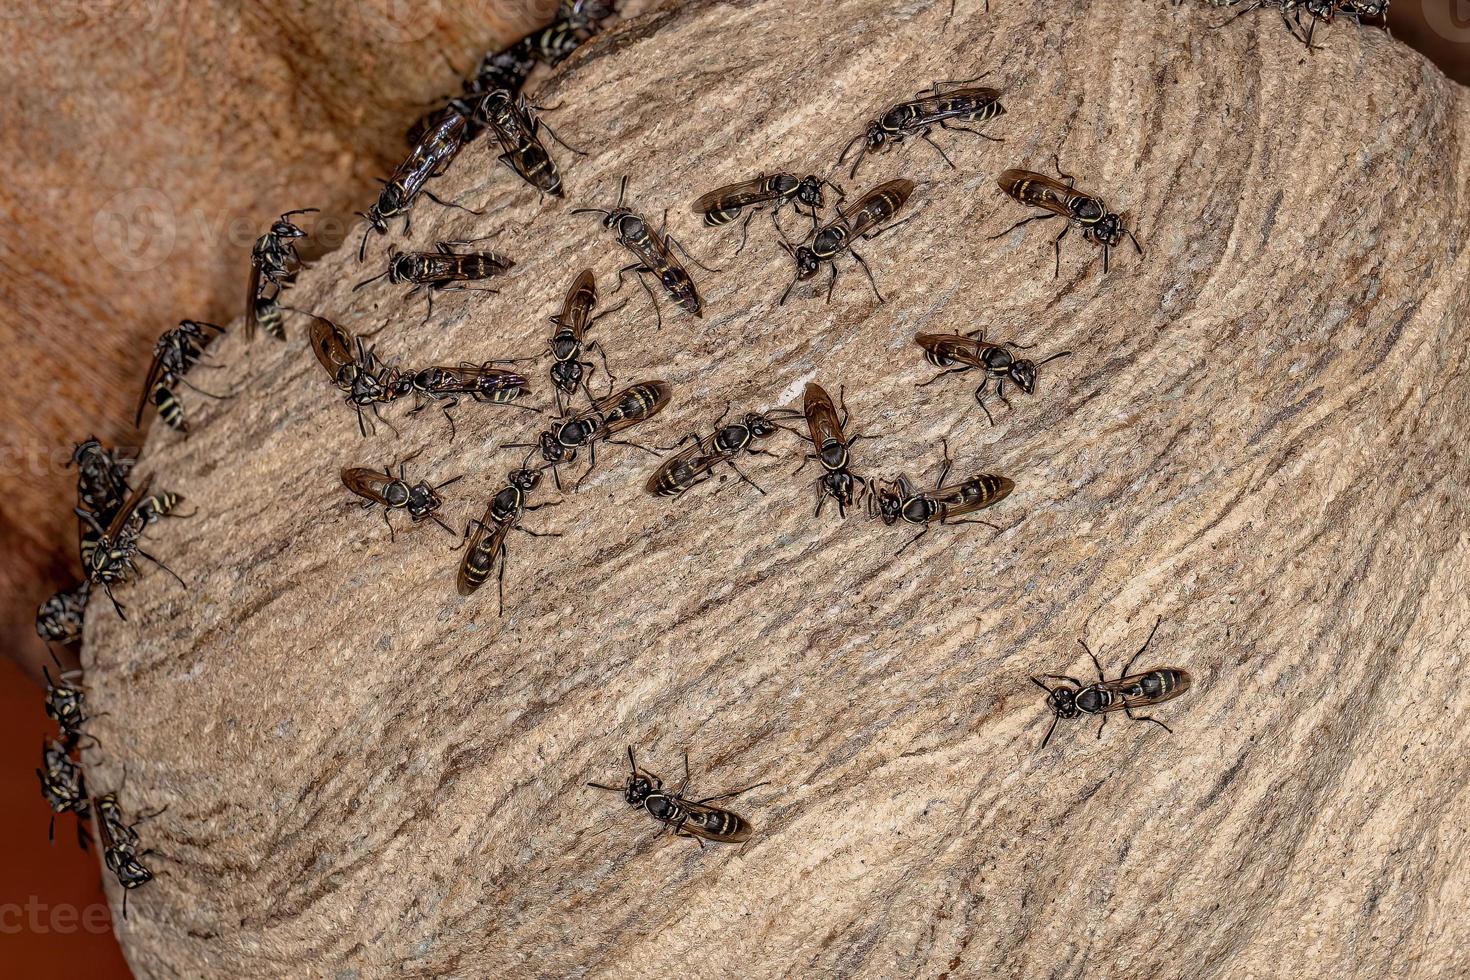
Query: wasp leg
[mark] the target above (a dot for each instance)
(1024, 221)
(1129, 666)
(733, 793)
(1057, 245)
(1057, 162)
(924, 135)
(448, 204)
(922, 531)
(1132, 716)
(1095, 662)
(948, 463)
(746, 478)
(674, 242)
(832, 283)
(887, 228)
(945, 124)
(871, 281)
(1101, 726)
(391, 535)
(745, 229)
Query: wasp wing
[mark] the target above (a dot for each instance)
(1038, 191)
(581, 298)
(877, 206)
(954, 347)
(822, 420)
(976, 493)
(367, 483)
(733, 197)
(332, 344)
(486, 548)
(252, 316)
(714, 824)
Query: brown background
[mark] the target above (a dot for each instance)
(233, 116)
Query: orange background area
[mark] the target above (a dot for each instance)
(54, 919)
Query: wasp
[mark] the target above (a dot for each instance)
(518, 130)
(176, 351)
(918, 117)
(418, 500)
(1058, 200)
(102, 478)
(442, 269)
(901, 500)
(568, 342)
(110, 560)
(59, 618)
(120, 847)
(576, 22)
(274, 264)
(483, 382)
(1124, 693)
(873, 209)
(698, 819)
(695, 465)
(355, 369)
(603, 419)
(62, 785)
(65, 703)
(1292, 12)
(724, 204)
(654, 251)
(1361, 10)
(825, 427)
(957, 353)
(486, 549)
(430, 158)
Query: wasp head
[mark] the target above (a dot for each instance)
(553, 450)
(842, 486)
(806, 261)
(566, 375)
(887, 504)
(809, 191)
(760, 426)
(1063, 701)
(639, 788)
(130, 872)
(422, 501)
(524, 480)
(1108, 230)
(283, 228)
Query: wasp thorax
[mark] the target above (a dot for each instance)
(834, 455)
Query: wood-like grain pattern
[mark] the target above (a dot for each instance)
(1258, 439)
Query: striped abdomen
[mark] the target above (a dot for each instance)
(169, 409)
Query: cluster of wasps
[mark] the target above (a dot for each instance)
(112, 517)
(1301, 17)
(492, 101)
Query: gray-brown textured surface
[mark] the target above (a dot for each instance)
(1256, 440)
